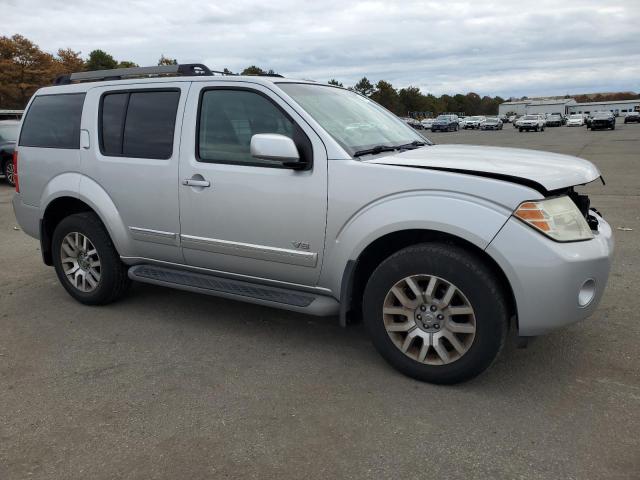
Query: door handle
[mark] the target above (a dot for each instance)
(193, 182)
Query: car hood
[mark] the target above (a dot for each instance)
(551, 171)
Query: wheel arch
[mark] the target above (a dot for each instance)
(358, 271)
(88, 196)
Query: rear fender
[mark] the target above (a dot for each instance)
(85, 189)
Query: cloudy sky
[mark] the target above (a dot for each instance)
(541, 47)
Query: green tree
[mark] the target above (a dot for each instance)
(167, 61)
(253, 70)
(412, 100)
(226, 71)
(333, 81)
(388, 97)
(364, 86)
(100, 60)
(127, 64)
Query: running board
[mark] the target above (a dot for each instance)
(260, 294)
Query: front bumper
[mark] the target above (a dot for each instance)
(547, 276)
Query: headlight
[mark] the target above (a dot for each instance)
(558, 218)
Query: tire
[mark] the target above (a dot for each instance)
(520, 129)
(7, 171)
(613, 127)
(111, 281)
(542, 129)
(473, 282)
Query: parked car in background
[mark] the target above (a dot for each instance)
(8, 135)
(512, 118)
(632, 117)
(427, 123)
(554, 120)
(575, 120)
(474, 122)
(491, 123)
(602, 120)
(531, 122)
(445, 123)
(563, 117)
(413, 123)
(440, 250)
(461, 121)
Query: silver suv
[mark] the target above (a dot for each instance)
(311, 198)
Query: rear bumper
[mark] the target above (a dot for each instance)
(547, 277)
(28, 217)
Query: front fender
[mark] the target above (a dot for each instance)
(473, 219)
(81, 187)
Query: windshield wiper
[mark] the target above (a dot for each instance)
(375, 150)
(412, 145)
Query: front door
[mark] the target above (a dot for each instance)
(241, 215)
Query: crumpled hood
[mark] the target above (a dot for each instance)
(552, 171)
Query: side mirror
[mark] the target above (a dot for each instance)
(273, 146)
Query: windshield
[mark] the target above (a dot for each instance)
(354, 121)
(575, 117)
(8, 133)
(530, 117)
(492, 120)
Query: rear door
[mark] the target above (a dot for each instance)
(254, 218)
(133, 154)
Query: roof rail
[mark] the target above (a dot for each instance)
(120, 73)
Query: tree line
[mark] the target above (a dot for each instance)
(24, 68)
(410, 101)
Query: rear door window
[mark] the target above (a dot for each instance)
(138, 123)
(53, 121)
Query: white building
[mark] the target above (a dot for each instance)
(536, 106)
(519, 107)
(618, 107)
(550, 106)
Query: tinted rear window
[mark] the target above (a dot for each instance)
(53, 121)
(139, 123)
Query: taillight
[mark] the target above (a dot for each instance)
(15, 170)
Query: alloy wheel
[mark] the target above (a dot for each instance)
(9, 173)
(80, 262)
(429, 319)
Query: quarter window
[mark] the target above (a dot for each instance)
(53, 121)
(138, 123)
(228, 120)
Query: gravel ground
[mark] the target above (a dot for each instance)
(168, 384)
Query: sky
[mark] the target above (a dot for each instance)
(506, 48)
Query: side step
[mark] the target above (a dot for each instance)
(277, 297)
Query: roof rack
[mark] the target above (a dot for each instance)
(185, 69)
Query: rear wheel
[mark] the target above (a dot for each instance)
(436, 313)
(9, 174)
(86, 261)
(520, 129)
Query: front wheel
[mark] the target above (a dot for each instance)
(9, 174)
(436, 313)
(86, 261)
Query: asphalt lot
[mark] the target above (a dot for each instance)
(168, 384)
